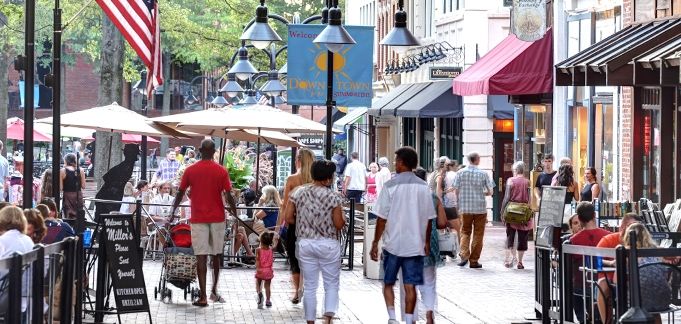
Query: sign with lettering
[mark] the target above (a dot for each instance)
(307, 68)
(551, 210)
(528, 19)
(444, 72)
(312, 140)
(124, 264)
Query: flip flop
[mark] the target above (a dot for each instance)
(216, 298)
(200, 304)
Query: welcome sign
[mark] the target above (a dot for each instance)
(307, 70)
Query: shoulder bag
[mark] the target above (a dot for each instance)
(517, 213)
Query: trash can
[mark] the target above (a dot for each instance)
(372, 269)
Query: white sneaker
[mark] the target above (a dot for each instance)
(392, 321)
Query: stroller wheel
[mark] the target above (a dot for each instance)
(155, 292)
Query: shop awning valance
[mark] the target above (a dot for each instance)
(642, 54)
(514, 67)
(420, 100)
(352, 116)
(378, 104)
(435, 100)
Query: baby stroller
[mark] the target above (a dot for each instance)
(179, 263)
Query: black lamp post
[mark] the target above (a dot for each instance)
(400, 38)
(335, 38)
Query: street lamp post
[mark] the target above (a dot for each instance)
(335, 37)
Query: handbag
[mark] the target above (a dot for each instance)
(517, 213)
(448, 242)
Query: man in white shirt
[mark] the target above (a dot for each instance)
(4, 173)
(384, 174)
(406, 204)
(355, 178)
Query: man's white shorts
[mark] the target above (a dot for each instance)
(208, 238)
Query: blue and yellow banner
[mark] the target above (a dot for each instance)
(307, 68)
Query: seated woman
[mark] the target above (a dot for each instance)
(164, 198)
(35, 225)
(13, 239)
(270, 198)
(57, 230)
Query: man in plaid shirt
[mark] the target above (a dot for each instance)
(471, 185)
(167, 169)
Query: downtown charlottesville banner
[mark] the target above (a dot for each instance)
(307, 68)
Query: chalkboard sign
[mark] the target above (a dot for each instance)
(551, 210)
(552, 206)
(123, 258)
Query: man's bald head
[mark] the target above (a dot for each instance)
(207, 149)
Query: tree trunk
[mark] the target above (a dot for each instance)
(109, 146)
(165, 109)
(5, 59)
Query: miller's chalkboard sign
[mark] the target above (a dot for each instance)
(551, 211)
(124, 264)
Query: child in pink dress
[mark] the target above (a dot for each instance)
(264, 258)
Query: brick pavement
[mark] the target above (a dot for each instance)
(493, 294)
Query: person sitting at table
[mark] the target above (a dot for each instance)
(160, 213)
(590, 235)
(611, 241)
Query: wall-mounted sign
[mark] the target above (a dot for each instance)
(313, 141)
(528, 19)
(508, 3)
(444, 72)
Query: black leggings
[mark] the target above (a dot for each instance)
(290, 244)
(522, 238)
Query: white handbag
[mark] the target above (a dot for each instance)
(449, 243)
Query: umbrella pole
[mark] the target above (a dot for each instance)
(143, 158)
(108, 164)
(223, 148)
(257, 164)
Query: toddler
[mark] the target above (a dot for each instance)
(264, 258)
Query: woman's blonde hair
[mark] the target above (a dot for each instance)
(643, 238)
(270, 196)
(306, 157)
(12, 217)
(46, 184)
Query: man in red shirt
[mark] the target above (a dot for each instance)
(590, 235)
(209, 183)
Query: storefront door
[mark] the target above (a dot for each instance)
(503, 164)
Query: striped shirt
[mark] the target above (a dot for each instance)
(472, 185)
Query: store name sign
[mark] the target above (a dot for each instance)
(312, 140)
(448, 72)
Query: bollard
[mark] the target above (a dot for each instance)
(621, 267)
(351, 235)
(38, 274)
(15, 282)
(635, 314)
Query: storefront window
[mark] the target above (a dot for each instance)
(450, 137)
(409, 132)
(579, 141)
(427, 147)
(605, 155)
(651, 144)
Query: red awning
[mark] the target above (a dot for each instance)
(513, 67)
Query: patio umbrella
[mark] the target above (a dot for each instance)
(77, 132)
(15, 131)
(132, 138)
(215, 121)
(116, 119)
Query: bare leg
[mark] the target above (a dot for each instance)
(410, 299)
(521, 254)
(604, 300)
(258, 286)
(430, 319)
(296, 284)
(216, 273)
(267, 290)
(389, 296)
(202, 268)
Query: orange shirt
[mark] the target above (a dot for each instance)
(609, 241)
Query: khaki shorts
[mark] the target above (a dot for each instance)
(208, 238)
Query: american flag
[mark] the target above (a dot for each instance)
(138, 21)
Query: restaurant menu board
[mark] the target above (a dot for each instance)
(551, 210)
(124, 262)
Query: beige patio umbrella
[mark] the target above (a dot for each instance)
(116, 119)
(215, 121)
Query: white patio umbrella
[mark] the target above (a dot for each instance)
(116, 119)
(215, 121)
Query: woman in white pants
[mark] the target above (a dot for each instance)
(316, 210)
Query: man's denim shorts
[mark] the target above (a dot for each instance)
(412, 268)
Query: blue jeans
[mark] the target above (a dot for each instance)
(357, 194)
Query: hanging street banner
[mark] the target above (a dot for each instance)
(353, 68)
(528, 19)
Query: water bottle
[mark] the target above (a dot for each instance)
(87, 238)
(598, 263)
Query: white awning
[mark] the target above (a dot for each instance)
(352, 116)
